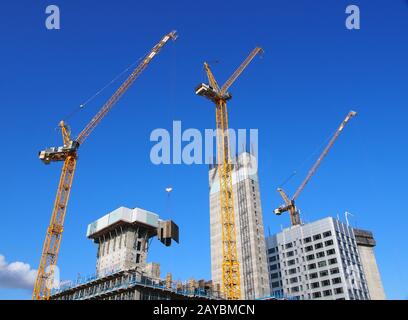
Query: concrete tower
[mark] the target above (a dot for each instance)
(123, 240)
(365, 244)
(249, 228)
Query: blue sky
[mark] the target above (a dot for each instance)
(313, 72)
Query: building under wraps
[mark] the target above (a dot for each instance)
(122, 270)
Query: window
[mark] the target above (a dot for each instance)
(274, 267)
(275, 284)
(289, 245)
(272, 258)
(315, 285)
(310, 257)
(290, 254)
(274, 275)
(322, 264)
(317, 236)
(317, 295)
(330, 252)
(327, 293)
(324, 273)
(336, 280)
(292, 271)
(139, 244)
(318, 245)
(333, 261)
(309, 248)
(338, 290)
(295, 289)
(311, 266)
(293, 280)
(138, 258)
(328, 243)
(327, 234)
(313, 275)
(325, 283)
(307, 240)
(291, 262)
(271, 250)
(334, 271)
(320, 254)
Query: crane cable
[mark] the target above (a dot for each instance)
(303, 163)
(172, 100)
(96, 94)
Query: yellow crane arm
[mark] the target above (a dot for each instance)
(211, 79)
(122, 89)
(350, 115)
(290, 204)
(230, 273)
(68, 154)
(240, 69)
(284, 196)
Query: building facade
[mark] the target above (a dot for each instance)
(249, 228)
(319, 260)
(123, 238)
(365, 244)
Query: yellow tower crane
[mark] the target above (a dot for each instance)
(231, 283)
(290, 203)
(68, 154)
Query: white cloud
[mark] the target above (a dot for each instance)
(16, 275)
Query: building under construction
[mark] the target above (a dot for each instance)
(324, 260)
(238, 251)
(122, 271)
(250, 230)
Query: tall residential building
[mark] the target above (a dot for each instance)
(249, 228)
(321, 260)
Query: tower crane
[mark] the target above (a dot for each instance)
(68, 155)
(231, 283)
(290, 203)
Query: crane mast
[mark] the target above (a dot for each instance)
(231, 283)
(68, 154)
(290, 203)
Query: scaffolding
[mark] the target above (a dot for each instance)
(133, 285)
